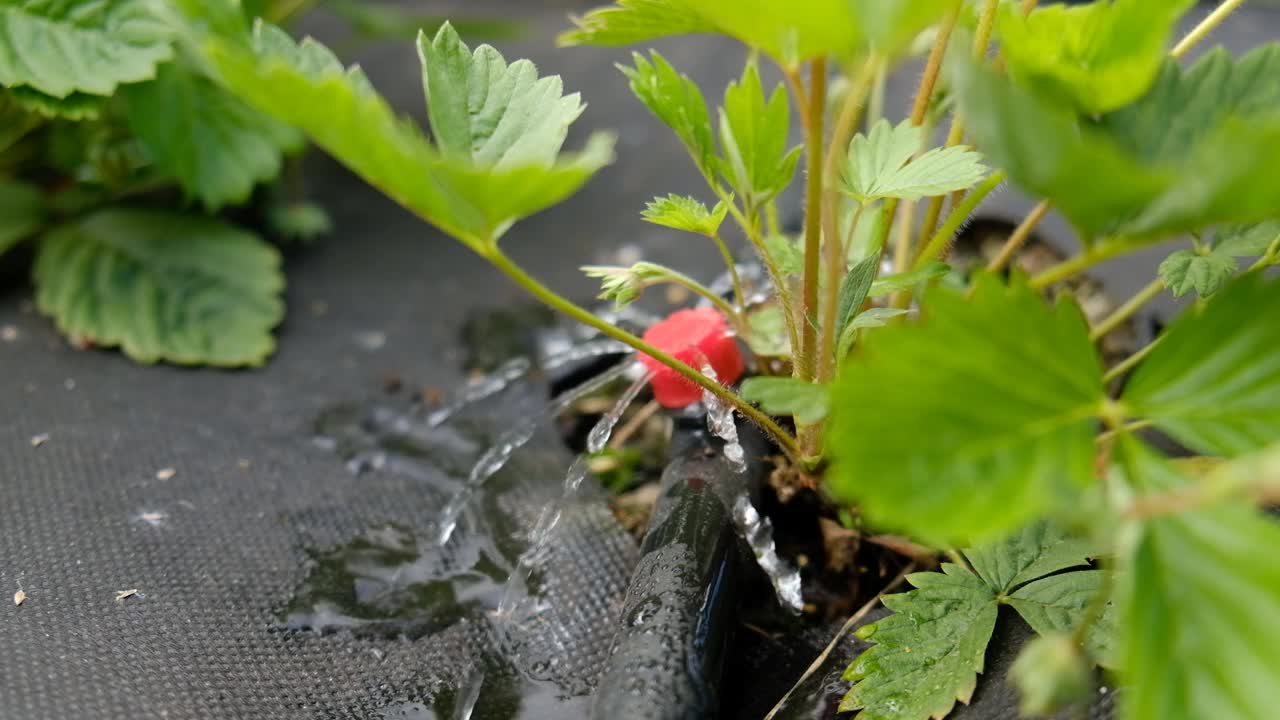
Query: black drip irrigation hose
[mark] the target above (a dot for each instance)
(681, 605)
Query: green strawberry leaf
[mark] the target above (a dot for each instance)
(162, 286)
(928, 653)
(879, 165)
(1036, 550)
(490, 114)
(907, 280)
(678, 102)
(1098, 57)
(217, 147)
(681, 212)
(59, 47)
(304, 85)
(1187, 270)
(1213, 382)
(787, 396)
(1246, 240)
(1198, 606)
(753, 138)
(767, 332)
(788, 32)
(1059, 603)
(1010, 423)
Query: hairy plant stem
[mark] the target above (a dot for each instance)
(1130, 362)
(832, 245)
(807, 356)
(920, 107)
(1019, 236)
(785, 298)
(981, 39)
(1077, 264)
(1126, 311)
(738, 296)
(584, 316)
(1206, 26)
(678, 278)
(944, 236)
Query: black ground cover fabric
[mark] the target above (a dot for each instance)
(215, 551)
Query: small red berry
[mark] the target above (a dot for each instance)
(695, 337)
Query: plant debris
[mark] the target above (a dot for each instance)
(122, 595)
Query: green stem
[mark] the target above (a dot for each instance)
(780, 284)
(981, 39)
(807, 356)
(738, 296)
(1130, 362)
(1206, 26)
(920, 107)
(1019, 236)
(946, 233)
(1126, 311)
(1269, 257)
(835, 249)
(557, 302)
(1072, 266)
(697, 288)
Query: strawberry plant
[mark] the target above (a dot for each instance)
(119, 153)
(972, 414)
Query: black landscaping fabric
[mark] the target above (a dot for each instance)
(216, 550)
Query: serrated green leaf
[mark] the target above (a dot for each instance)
(304, 85)
(1036, 550)
(753, 138)
(1246, 240)
(869, 318)
(488, 113)
(22, 212)
(928, 653)
(217, 147)
(788, 32)
(1134, 172)
(1098, 57)
(676, 101)
(767, 332)
(1198, 607)
(853, 291)
(879, 165)
(1058, 604)
(1045, 149)
(59, 47)
(636, 21)
(1213, 382)
(76, 106)
(162, 286)
(1185, 270)
(681, 212)
(1008, 410)
(786, 253)
(907, 280)
(787, 396)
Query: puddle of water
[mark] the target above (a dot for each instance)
(389, 582)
